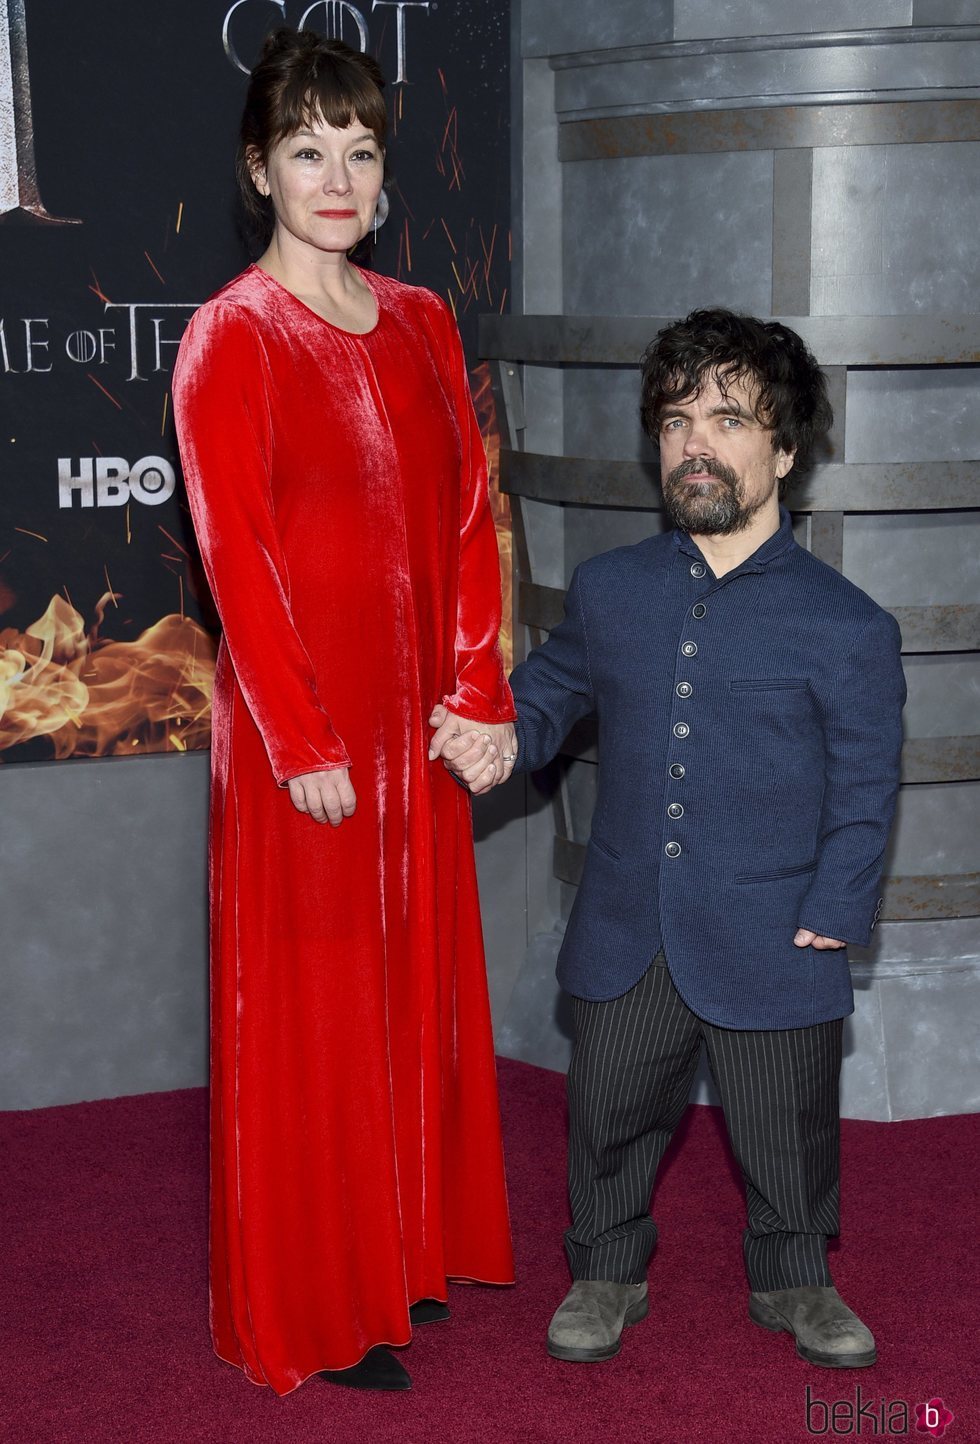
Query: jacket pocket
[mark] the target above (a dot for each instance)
(777, 873)
(767, 684)
(604, 847)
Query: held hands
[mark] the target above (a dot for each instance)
(805, 939)
(482, 758)
(326, 796)
(481, 754)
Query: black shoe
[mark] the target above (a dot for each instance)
(428, 1311)
(379, 1369)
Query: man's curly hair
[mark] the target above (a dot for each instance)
(790, 390)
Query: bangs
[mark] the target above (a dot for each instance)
(332, 91)
(726, 371)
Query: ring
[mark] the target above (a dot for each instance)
(508, 756)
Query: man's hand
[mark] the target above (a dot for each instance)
(481, 754)
(805, 939)
(325, 796)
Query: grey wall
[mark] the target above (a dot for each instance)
(775, 158)
(104, 938)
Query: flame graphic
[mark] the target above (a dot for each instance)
(94, 697)
(91, 696)
(486, 415)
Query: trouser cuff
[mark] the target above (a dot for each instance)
(622, 1260)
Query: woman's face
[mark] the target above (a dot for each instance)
(324, 184)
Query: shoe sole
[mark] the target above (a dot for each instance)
(769, 1319)
(635, 1314)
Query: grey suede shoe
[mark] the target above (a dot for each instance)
(590, 1319)
(827, 1332)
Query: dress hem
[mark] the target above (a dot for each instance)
(380, 1343)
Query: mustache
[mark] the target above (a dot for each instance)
(703, 466)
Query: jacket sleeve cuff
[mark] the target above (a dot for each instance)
(521, 764)
(849, 922)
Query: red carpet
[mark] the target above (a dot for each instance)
(103, 1333)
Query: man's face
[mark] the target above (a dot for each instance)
(718, 467)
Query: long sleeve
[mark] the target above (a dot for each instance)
(863, 737)
(226, 444)
(482, 693)
(553, 687)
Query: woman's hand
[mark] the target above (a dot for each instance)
(481, 754)
(326, 796)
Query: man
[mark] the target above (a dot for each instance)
(749, 711)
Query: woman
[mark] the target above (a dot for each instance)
(337, 482)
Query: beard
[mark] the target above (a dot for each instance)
(709, 508)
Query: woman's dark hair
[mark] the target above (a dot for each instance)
(301, 78)
(766, 356)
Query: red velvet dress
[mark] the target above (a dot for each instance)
(338, 488)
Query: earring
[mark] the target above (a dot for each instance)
(380, 212)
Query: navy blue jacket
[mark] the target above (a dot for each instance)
(749, 746)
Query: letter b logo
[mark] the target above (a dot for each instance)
(817, 1414)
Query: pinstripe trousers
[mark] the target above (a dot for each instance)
(633, 1064)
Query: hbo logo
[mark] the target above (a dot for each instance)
(111, 481)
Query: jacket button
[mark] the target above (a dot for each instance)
(683, 689)
(698, 610)
(676, 769)
(698, 569)
(681, 729)
(689, 648)
(673, 849)
(675, 810)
